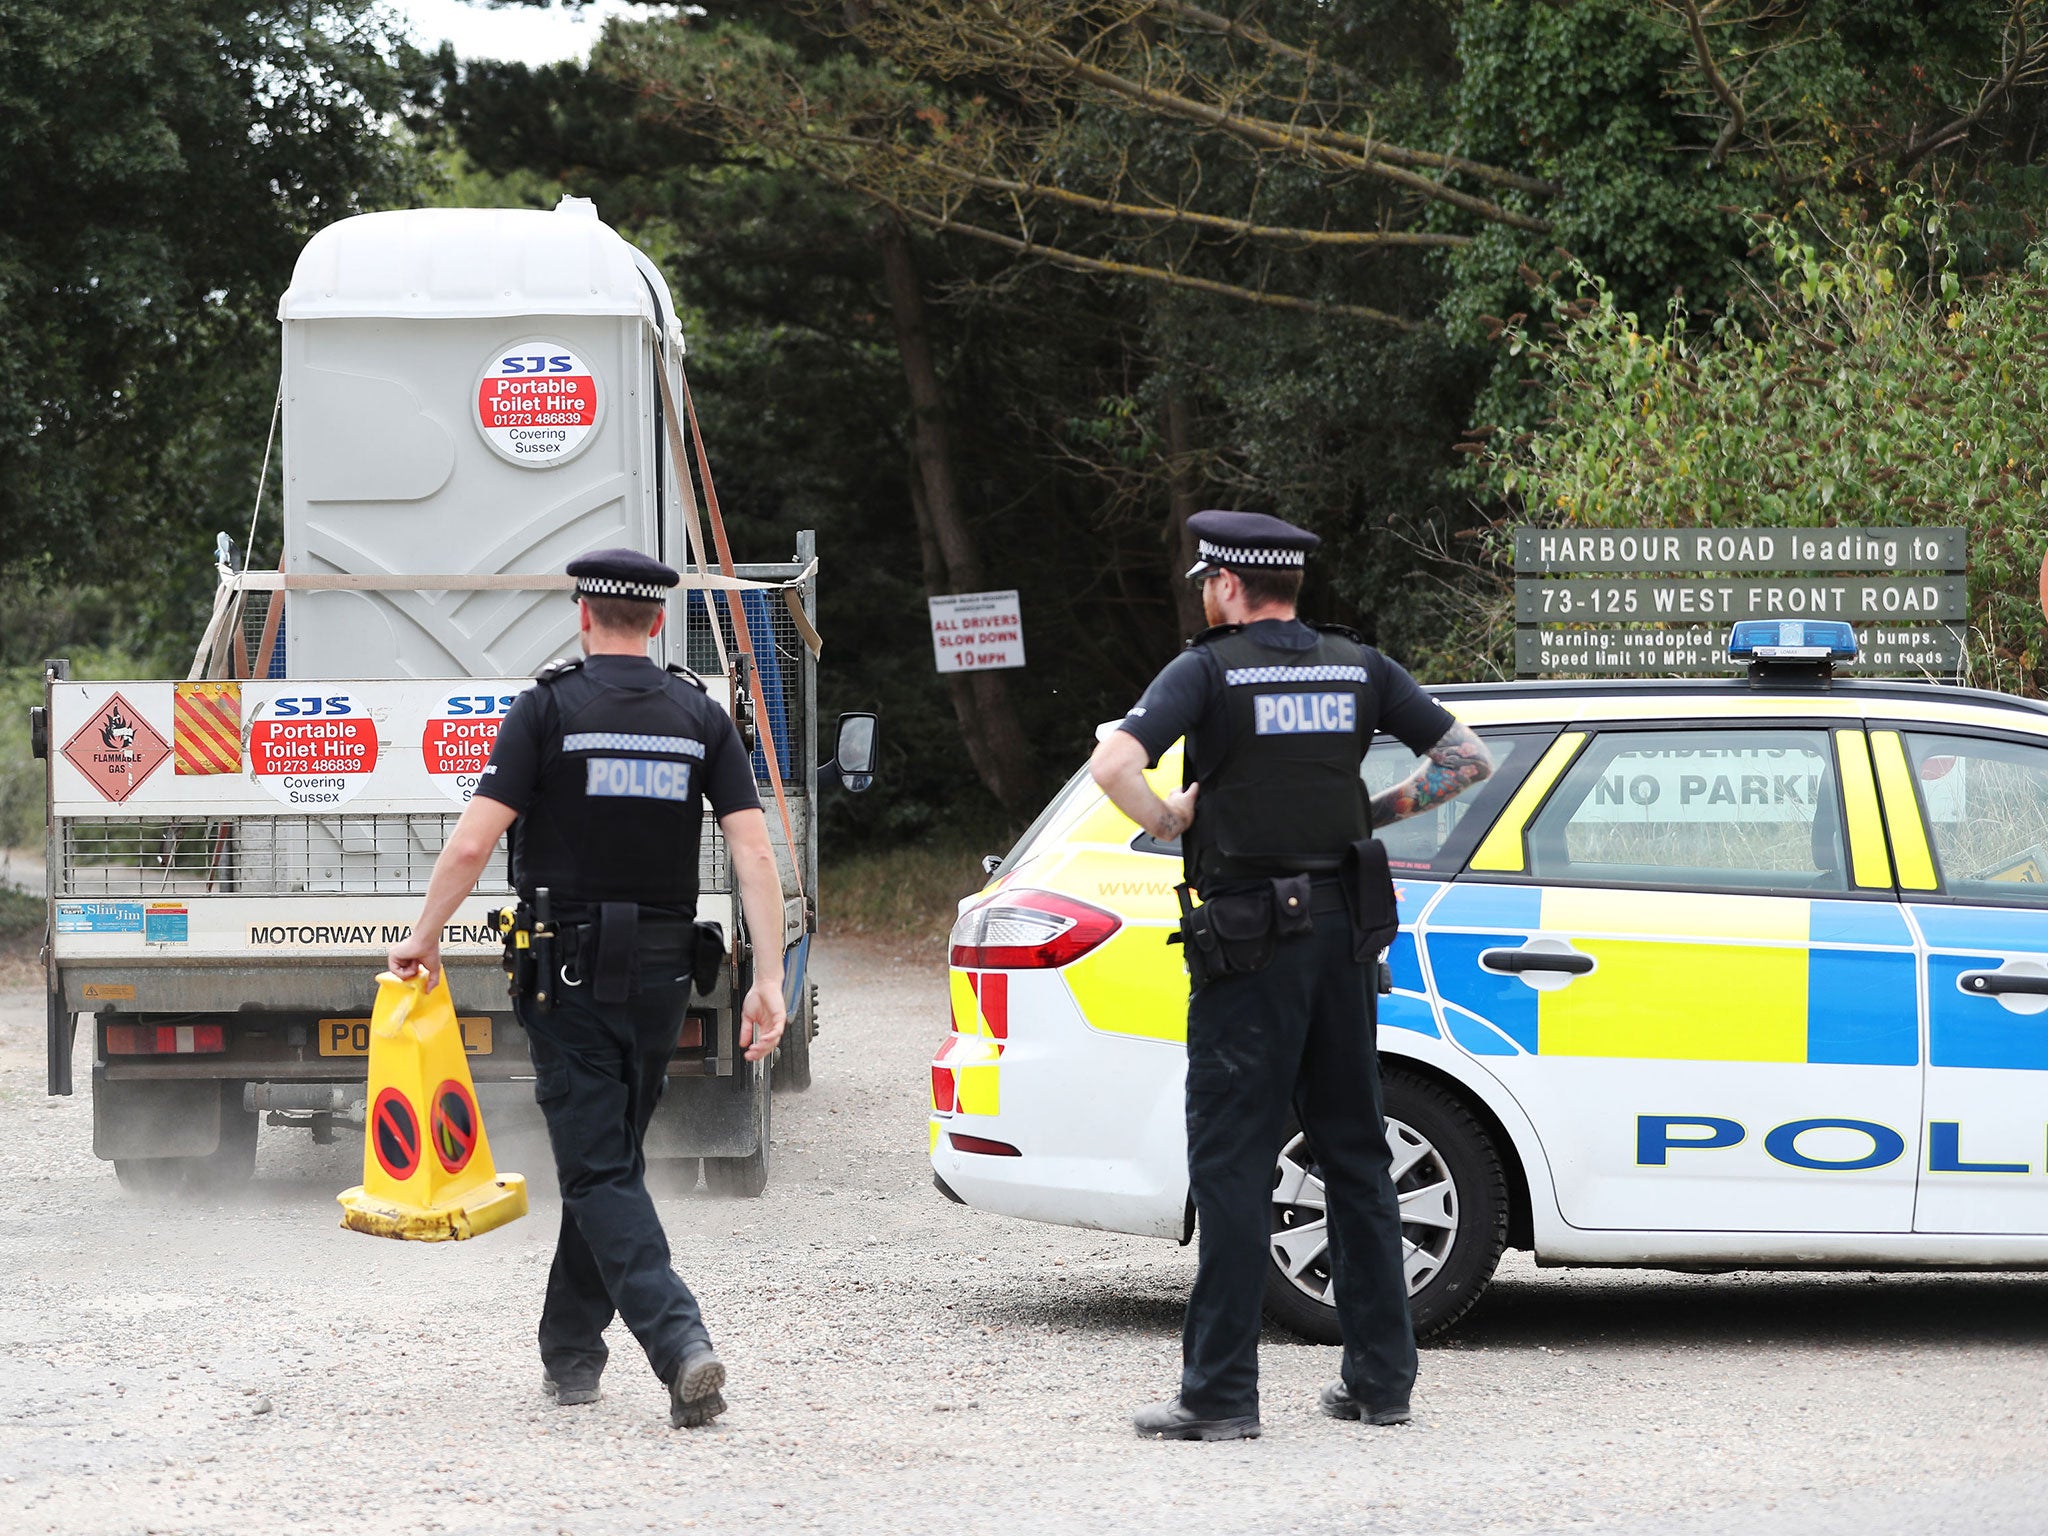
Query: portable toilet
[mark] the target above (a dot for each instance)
(470, 392)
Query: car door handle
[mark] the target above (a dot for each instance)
(1516, 961)
(2001, 983)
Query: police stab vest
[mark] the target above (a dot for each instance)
(620, 811)
(1282, 794)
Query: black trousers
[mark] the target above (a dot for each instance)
(598, 1073)
(1300, 1032)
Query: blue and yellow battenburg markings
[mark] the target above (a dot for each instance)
(1755, 978)
(1969, 1031)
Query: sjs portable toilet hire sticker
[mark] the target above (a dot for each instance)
(537, 403)
(456, 742)
(313, 751)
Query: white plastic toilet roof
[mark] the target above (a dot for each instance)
(461, 263)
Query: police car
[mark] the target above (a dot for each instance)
(1746, 973)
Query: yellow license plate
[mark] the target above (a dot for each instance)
(351, 1037)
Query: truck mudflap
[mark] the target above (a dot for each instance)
(709, 1117)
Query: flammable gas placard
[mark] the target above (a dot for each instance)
(116, 749)
(313, 752)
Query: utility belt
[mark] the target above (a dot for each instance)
(614, 948)
(1235, 931)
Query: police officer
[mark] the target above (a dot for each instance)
(1274, 822)
(606, 766)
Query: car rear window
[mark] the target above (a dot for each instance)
(1060, 812)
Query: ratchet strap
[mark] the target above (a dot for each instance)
(741, 629)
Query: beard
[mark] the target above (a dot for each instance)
(1212, 610)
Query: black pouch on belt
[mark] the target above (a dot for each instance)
(613, 962)
(707, 958)
(1242, 922)
(1291, 913)
(1369, 891)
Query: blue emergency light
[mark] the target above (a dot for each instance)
(1794, 640)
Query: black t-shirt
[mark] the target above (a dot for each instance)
(529, 742)
(1188, 695)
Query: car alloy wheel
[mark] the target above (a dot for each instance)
(1429, 1213)
(1453, 1195)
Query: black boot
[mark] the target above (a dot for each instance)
(693, 1392)
(1174, 1421)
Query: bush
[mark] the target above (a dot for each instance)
(1870, 387)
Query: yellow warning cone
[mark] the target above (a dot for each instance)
(427, 1171)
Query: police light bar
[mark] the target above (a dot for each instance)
(1809, 640)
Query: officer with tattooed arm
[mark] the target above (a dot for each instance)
(1283, 953)
(606, 766)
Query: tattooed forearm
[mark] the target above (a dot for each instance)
(1457, 762)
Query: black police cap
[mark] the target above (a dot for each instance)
(622, 573)
(1236, 540)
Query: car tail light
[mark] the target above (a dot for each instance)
(164, 1039)
(942, 1090)
(1029, 930)
(981, 1144)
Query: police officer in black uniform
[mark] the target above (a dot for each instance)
(1275, 825)
(606, 766)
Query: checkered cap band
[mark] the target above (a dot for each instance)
(1225, 554)
(605, 586)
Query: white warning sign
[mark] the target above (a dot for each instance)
(537, 403)
(977, 631)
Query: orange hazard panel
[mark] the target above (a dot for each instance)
(206, 728)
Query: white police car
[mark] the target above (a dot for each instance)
(1730, 973)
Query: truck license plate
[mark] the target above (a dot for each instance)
(351, 1037)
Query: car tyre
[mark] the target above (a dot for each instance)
(1450, 1176)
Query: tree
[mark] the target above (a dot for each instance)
(165, 163)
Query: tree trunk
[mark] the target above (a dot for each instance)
(1184, 500)
(981, 700)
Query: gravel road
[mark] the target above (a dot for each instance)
(900, 1364)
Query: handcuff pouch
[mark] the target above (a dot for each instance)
(610, 953)
(1369, 893)
(707, 958)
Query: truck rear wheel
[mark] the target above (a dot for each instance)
(233, 1162)
(742, 1178)
(228, 1165)
(793, 1057)
(151, 1175)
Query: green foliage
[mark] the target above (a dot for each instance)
(165, 161)
(21, 915)
(909, 891)
(1875, 389)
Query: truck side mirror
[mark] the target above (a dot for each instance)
(854, 757)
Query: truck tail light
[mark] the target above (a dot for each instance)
(165, 1039)
(1029, 931)
(981, 1144)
